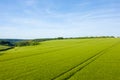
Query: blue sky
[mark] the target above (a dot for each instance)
(29, 19)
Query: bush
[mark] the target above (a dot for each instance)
(60, 38)
(26, 43)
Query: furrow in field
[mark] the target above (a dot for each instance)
(54, 50)
(106, 67)
(68, 74)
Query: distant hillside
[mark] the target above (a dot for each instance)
(12, 40)
(23, 42)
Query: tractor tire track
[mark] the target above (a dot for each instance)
(69, 73)
(26, 73)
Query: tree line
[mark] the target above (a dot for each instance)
(6, 43)
(26, 43)
(14, 42)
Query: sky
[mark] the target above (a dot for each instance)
(29, 19)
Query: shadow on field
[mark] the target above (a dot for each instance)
(2, 50)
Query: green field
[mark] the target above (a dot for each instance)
(70, 59)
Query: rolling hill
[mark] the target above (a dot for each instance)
(70, 59)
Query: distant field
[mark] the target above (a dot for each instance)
(70, 59)
(3, 47)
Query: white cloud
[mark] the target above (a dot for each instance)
(46, 21)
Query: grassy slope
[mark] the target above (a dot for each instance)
(50, 59)
(3, 47)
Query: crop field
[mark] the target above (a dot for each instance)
(69, 59)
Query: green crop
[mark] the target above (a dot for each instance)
(106, 67)
(74, 59)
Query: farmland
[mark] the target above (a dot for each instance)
(69, 59)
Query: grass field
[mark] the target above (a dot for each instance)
(72, 59)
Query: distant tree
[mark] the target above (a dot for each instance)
(60, 38)
(33, 42)
(26, 43)
(6, 43)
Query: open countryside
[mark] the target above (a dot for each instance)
(70, 59)
(59, 39)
